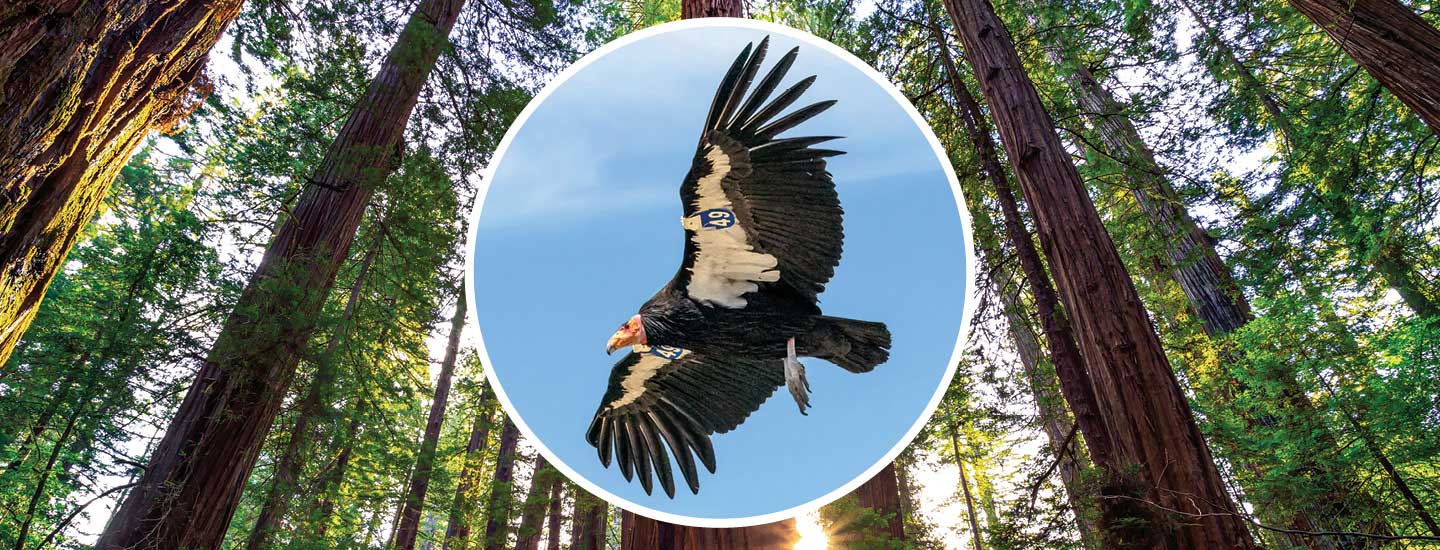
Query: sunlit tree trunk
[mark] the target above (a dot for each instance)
(82, 83)
(976, 535)
(194, 479)
(425, 459)
(1392, 42)
(497, 510)
(457, 531)
(1161, 463)
(310, 408)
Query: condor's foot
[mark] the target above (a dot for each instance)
(795, 378)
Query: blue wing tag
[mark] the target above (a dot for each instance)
(669, 353)
(716, 218)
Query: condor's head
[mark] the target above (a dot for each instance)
(629, 334)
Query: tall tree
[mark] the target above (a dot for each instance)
(552, 516)
(84, 82)
(194, 478)
(497, 510)
(425, 459)
(588, 521)
(1159, 464)
(537, 501)
(640, 533)
(457, 530)
(1392, 42)
(1064, 354)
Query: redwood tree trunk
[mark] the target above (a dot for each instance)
(588, 528)
(497, 510)
(282, 487)
(552, 517)
(194, 479)
(641, 533)
(1161, 463)
(532, 516)
(691, 9)
(882, 494)
(1064, 354)
(82, 83)
(457, 531)
(425, 459)
(1393, 43)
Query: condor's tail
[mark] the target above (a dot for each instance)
(857, 346)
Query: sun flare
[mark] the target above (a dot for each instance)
(812, 534)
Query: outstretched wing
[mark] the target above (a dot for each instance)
(761, 212)
(678, 397)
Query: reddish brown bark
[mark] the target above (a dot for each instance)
(1064, 353)
(425, 459)
(1393, 43)
(1164, 490)
(587, 522)
(552, 516)
(195, 476)
(497, 510)
(532, 516)
(882, 494)
(82, 82)
(641, 533)
(457, 532)
(691, 9)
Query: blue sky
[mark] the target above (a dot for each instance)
(581, 225)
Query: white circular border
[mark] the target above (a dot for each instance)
(968, 309)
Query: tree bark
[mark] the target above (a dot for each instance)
(692, 9)
(587, 528)
(882, 494)
(532, 516)
(457, 531)
(497, 510)
(641, 533)
(1393, 43)
(1163, 488)
(1064, 354)
(311, 407)
(195, 477)
(82, 83)
(552, 517)
(976, 536)
(425, 460)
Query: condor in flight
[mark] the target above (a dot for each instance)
(763, 234)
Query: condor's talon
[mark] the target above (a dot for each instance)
(795, 380)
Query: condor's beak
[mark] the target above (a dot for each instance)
(620, 339)
(631, 333)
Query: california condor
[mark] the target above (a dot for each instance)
(763, 234)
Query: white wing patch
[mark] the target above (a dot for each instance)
(644, 369)
(726, 264)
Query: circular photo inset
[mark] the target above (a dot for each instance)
(721, 272)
